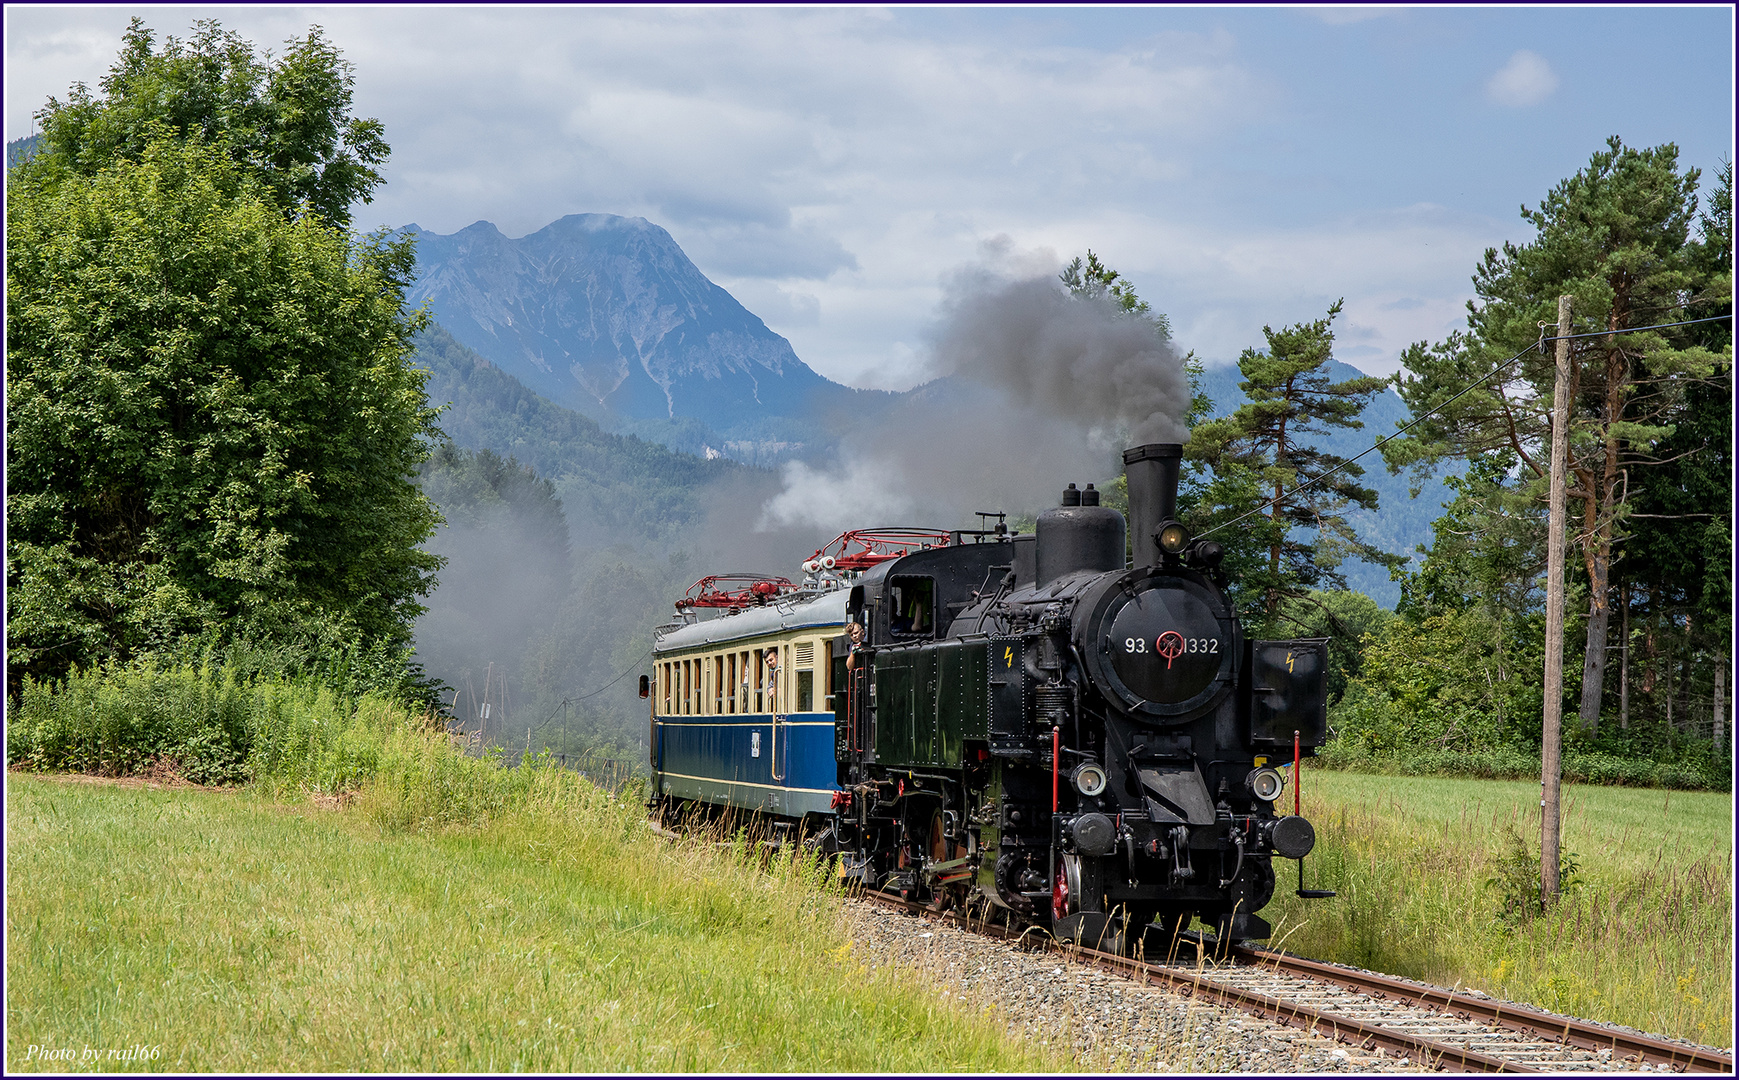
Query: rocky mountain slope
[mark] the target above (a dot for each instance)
(607, 316)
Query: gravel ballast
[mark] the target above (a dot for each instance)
(1107, 1022)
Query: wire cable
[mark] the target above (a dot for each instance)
(541, 724)
(617, 679)
(1541, 345)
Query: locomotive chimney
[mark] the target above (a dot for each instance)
(1152, 470)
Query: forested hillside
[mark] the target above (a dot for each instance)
(564, 544)
(614, 488)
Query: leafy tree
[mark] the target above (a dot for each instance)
(287, 120)
(1261, 457)
(211, 423)
(1092, 279)
(1615, 237)
(1443, 682)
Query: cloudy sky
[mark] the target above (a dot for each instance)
(829, 166)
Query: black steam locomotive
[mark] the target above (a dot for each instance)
(1087, 745)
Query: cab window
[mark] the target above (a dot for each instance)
(912, 607)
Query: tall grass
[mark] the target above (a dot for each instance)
(1438, 880)
(118, 720)
(458, 915)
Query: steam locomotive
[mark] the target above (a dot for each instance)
(1023, 721)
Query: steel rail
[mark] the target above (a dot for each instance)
(1568, 1030)
(1291, 1014)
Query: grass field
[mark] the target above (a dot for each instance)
(461, 916)
(228, 932)
(1432, 873)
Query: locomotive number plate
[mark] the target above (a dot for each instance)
(1166, 646)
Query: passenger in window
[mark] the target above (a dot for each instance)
(908, 618)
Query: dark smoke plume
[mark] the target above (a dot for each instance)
(1039, 388)
(1080, 359)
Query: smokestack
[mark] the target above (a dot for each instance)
(1152, 470)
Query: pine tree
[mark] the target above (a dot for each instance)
(1616, 238)
(1262, 457)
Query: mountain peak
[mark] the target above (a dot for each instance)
(608, 315)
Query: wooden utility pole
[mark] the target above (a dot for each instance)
(1550, 762)
(1720, 698)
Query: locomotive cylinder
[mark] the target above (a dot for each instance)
(1078, 536)
(1152, 469)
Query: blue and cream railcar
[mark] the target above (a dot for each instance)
(742, 714)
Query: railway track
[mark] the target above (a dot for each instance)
(1445, 1029)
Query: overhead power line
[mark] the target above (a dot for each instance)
(570, 700)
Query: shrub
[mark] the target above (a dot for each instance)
(117, 721)
(1509, 763)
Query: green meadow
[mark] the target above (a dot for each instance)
(230, 932)
(1438, 880)
(375, 899)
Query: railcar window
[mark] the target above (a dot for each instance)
(752, 680)
(805, 691)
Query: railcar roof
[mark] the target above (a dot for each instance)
(828, 609)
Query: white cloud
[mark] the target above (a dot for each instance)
(828, 165)
(1526, 80)
(1345, 16)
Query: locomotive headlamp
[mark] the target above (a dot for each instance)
(1173, 537)
(1264, 783)
(1089, 779)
